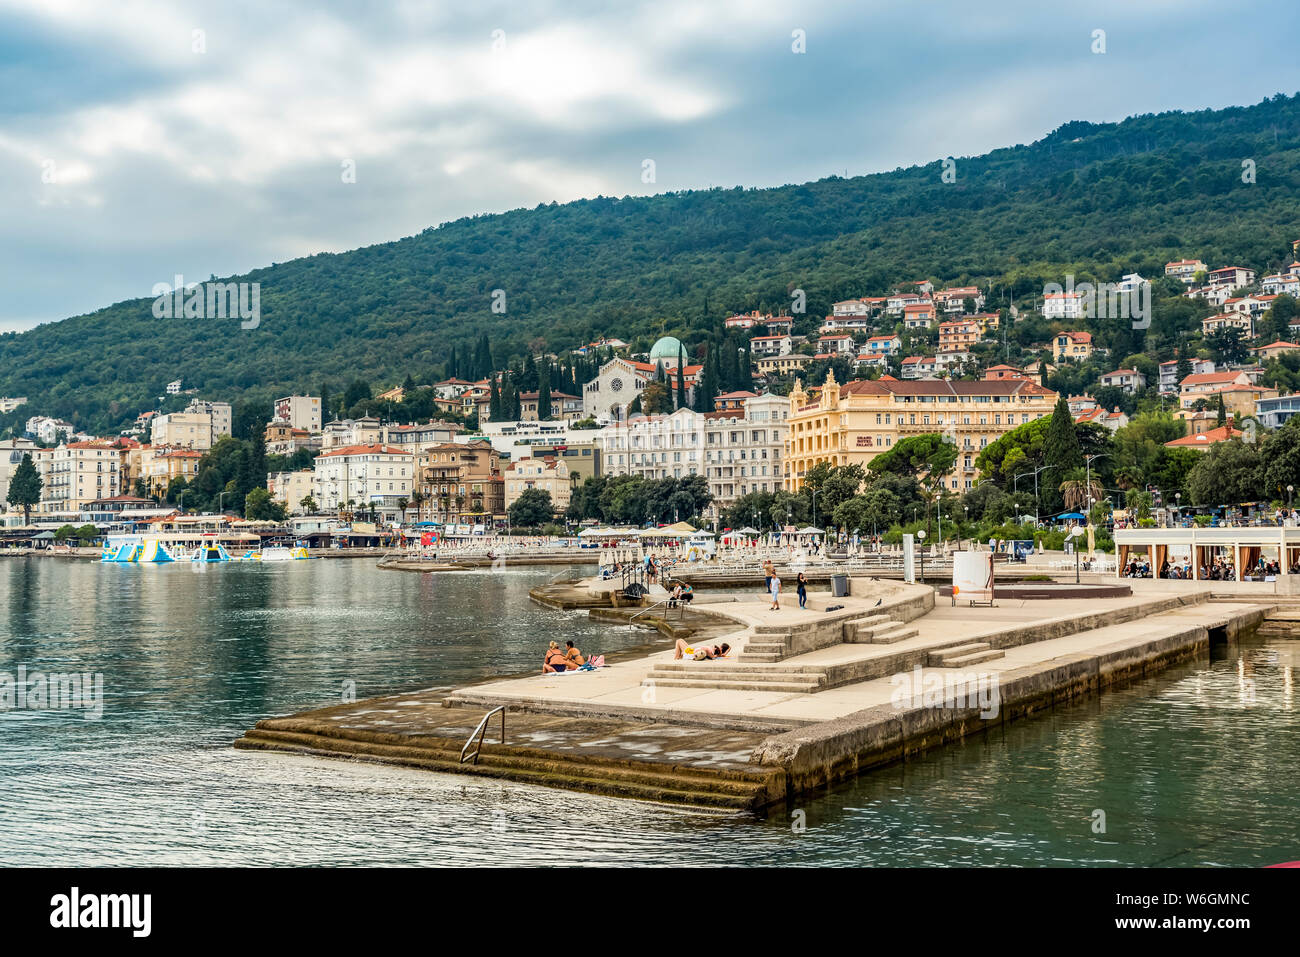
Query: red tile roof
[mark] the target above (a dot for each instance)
(1221, 434)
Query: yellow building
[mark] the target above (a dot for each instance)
(781, 365)
(855, 422)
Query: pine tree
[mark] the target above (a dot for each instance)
(25, 488)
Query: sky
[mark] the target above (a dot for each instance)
(140, 140)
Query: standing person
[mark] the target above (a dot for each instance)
(774, 587)
(769, 572)
(801, 587)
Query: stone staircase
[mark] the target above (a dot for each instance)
(719, 788)
(876, 630)
(963, 655)
(720, 676)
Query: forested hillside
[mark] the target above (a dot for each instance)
(1095, 200)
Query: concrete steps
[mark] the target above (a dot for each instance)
(804, 684)
(644, 780)
(960, 656)
(735, 677)
(877, 630)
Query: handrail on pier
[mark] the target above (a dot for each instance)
(478, 732)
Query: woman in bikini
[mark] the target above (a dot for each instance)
(554, 661)
(699, 654)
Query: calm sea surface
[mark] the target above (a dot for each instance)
(1199, 766)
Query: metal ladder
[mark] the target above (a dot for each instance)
(478, 733)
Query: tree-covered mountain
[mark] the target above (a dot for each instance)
(1095, 200)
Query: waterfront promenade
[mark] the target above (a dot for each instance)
(810, 696)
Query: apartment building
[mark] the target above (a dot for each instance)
(738, 451)
(219, 413)
(550, 475)
(299, 412)
(1185, 270)
(75, 474)
(290, 488)
(461, 483)
(363, 475)
(191, 430)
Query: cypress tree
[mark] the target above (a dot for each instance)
(1220, 413)
(1061, 443)
(544, 394)
(681, 377)
(494, 402)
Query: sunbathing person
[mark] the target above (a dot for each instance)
(699, 654)
(573, 656)
(554, 661)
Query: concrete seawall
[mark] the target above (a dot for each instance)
(842, 697)
(815, 756)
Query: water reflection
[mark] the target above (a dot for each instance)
(1191, 768)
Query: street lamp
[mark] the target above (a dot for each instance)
(1178, 506)
(966, 510)
(1076, 533)
(1289, 490)
(1088, 462)
(1034, 473)
(920, 534)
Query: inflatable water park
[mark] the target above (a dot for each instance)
(138, 550)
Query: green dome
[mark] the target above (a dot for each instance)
(668, 348)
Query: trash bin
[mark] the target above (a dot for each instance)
(839, 586)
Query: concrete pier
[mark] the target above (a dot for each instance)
(810, 696)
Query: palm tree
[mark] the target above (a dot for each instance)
(1077, 493)
(402, 505)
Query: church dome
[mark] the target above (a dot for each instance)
(668, 349)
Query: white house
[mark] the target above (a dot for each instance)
(1130, 380)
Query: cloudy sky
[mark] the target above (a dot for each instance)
(141, 140)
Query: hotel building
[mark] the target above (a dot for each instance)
(855, 422)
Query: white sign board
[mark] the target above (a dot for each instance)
(909, 559)
(972, 576)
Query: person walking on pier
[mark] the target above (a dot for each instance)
(774, 586)
(801, 587)
(769, 572)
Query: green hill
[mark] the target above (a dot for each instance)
(1091, 199)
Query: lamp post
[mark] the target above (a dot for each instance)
(920, 534)
(1076, 533)
(1034, 473)
(1178, 506)
(966, 510)
(1088, 464)
(1289, 490)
